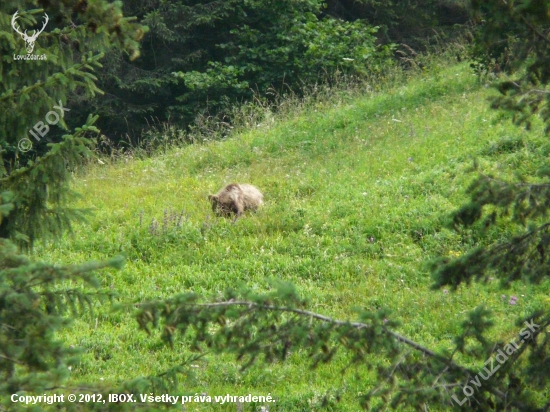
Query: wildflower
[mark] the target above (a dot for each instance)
(445, 291)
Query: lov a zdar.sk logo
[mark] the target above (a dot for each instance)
(29, 40)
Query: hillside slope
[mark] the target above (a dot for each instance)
(356, 199)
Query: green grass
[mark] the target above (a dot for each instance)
(356, 193)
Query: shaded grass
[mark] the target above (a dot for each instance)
(357, 195)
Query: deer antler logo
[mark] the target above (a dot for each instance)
(28, 39)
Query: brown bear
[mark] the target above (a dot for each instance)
(236, 198)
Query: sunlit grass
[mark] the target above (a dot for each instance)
(356, 199)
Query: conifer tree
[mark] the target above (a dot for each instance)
(37, 299)
(38, 152)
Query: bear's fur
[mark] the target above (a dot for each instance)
(236, 198)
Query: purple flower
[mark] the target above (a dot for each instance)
(513, 297)
(410, 159)
(512, 302)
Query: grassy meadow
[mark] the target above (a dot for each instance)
(357, 191)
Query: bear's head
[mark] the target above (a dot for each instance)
(218, 207)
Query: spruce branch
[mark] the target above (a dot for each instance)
(252, 327)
